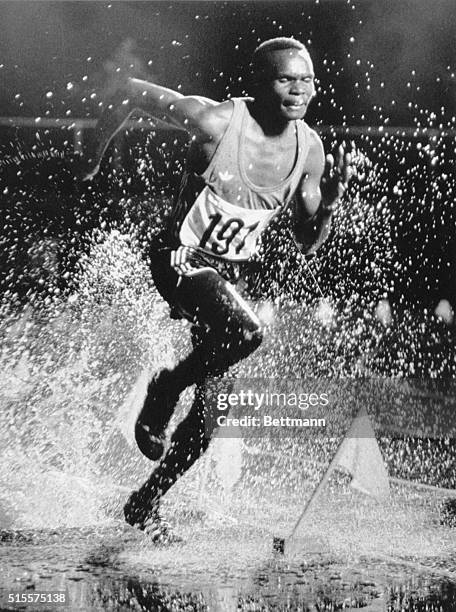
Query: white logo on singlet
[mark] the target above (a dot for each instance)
(223, 229)
(225, 176)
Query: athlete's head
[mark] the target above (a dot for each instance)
(283, 77)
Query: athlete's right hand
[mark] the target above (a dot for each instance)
(336, 176)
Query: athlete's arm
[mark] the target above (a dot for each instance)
(195, 114)
(322, 186)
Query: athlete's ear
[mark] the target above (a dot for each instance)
(315, 85)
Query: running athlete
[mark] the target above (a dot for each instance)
(249, 158)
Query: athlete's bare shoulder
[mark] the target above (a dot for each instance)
(316, 145)
(213, 121)
(316, 157)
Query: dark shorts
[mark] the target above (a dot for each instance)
(192, 281)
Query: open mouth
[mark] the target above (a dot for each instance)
(295, 105)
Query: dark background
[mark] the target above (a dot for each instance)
(378, 63)
(372, 57)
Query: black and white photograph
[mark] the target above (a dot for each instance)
(227, 293)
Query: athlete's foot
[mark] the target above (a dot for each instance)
(160, 532)
(146, 517)
(160, 402)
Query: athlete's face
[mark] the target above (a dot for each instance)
(288, 84)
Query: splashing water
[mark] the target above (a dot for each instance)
(74, 382)
(63, 395)
(83, 330)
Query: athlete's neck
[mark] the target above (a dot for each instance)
(270, 123)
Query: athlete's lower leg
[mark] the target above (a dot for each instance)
(188, 442)
(233, 333)
(161, 399)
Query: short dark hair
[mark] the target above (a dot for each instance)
(259, 58)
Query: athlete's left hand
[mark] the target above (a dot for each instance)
(336, 177)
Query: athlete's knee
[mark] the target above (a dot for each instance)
(245, 339)
(252, 338)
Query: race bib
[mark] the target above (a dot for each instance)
(223, 229)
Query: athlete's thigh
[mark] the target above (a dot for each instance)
(215, 302)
